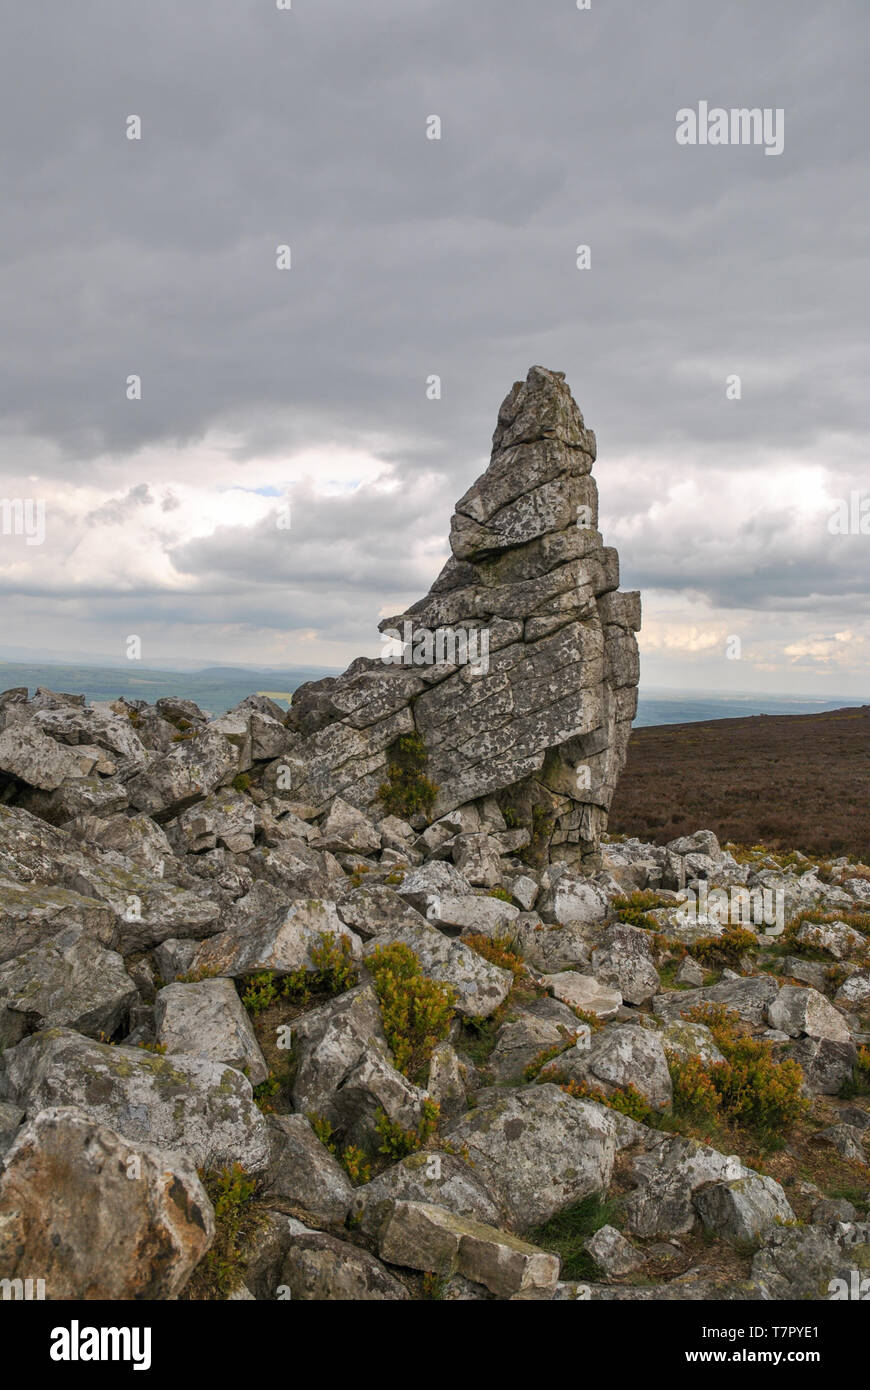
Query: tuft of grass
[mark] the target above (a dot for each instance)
(194, 977)
(565, 1233)
(433, 1287)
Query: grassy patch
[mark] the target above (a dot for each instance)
(565, 1233)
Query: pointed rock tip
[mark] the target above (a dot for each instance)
(541, 407)
(537, 480)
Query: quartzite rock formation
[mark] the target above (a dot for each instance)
(420, 1036)
(546, 724)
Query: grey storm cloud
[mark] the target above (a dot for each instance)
(115, 511)
(413, 257)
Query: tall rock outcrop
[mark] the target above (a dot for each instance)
(519, 668)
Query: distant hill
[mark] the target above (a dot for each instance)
(215, 688)
(799, 781)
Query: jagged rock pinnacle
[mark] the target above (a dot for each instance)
(519, 668)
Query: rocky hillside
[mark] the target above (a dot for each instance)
(261, 1056)
(362, 1003)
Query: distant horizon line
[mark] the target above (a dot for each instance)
(163, 667)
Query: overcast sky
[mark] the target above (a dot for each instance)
(263, 388)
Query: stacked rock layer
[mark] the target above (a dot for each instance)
(539, 715)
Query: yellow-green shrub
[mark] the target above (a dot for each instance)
(634, 908)
(498, 950)
(355, 1164)
(416, 1011)
(397, 1142)
(334, 970)
(694, 1091)
(725, 949)
(752, 1088)
(626, 1099)
(547, 1055)
(260, 992)
(232, 1192)
(407, 791)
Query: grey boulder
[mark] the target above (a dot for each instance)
(200, 1108)
(345, 1070)
(98, 1216)
(539, 1150)
(742, 1210)
(207, 1019)
(70, 981)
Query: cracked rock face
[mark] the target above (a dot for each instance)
(519, 668)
